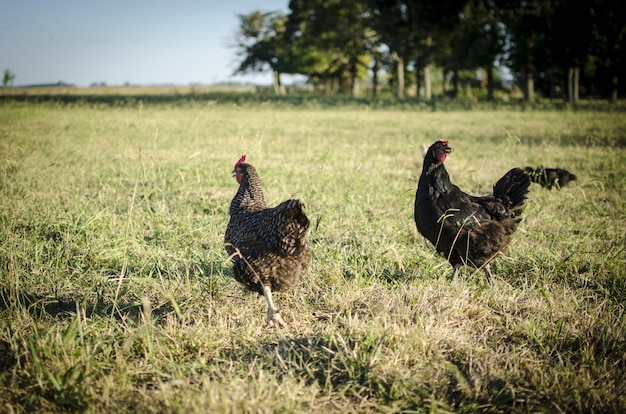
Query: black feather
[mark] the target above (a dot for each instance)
(466, 229)
(550, 177)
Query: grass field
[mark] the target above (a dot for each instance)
(116, 293)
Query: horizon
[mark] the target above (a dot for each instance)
(294, 80)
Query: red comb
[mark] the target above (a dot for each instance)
(444, 141)
(242, 159)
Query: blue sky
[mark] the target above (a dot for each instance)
(140, 42)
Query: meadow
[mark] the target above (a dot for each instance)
(116, 293)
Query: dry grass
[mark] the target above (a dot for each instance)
(116, 293)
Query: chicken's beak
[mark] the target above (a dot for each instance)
(448, 150)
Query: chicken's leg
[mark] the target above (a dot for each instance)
(455, 270)
(488, 274)
(273, 314)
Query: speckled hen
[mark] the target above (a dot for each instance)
(268, 246)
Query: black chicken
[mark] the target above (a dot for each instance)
(467, 230)
(268, 246)
(550, 177)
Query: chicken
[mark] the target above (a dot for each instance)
(467, 230)
(549, 177)
(267, 246)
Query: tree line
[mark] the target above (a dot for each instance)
(557, 47)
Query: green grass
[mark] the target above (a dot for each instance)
(116, 293)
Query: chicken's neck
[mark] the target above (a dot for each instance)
(249, 197)
(437, 177)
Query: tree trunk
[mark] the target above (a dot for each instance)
(427, 83)
(613, 97)
(419, 75)
(343, 88)
(354, 81)
(529, 90)
(355, 86)
(468, 90)
(279, 89)
(456, 83)
(400, 68)
(375, 90)
(573, 82)
(570, 90)
(490, 85)
(576, 84)
(553, 86)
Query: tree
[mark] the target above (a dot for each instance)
(334, 33)
(609, 43)
(7, 79)
(477, 41)
(262, 46)
(544, 43)
(570, 28)
(391, 22)
(432, 23)
(551, 43)
(527, 23)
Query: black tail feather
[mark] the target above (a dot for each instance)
(513, 187)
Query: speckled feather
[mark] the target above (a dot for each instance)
(268, 245)
(475, 229)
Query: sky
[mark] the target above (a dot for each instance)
(139, 42)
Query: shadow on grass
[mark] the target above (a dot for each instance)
(41, 305)
(129, 304)
(349, 366)
(337, 365)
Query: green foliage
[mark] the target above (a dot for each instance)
(336, 42)
(261, 44)
(332, 40)
(7, 78)
(116, 292)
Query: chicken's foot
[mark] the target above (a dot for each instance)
(487, 270)
(273, 314)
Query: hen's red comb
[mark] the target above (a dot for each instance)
(241, 160)
(444, 141)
